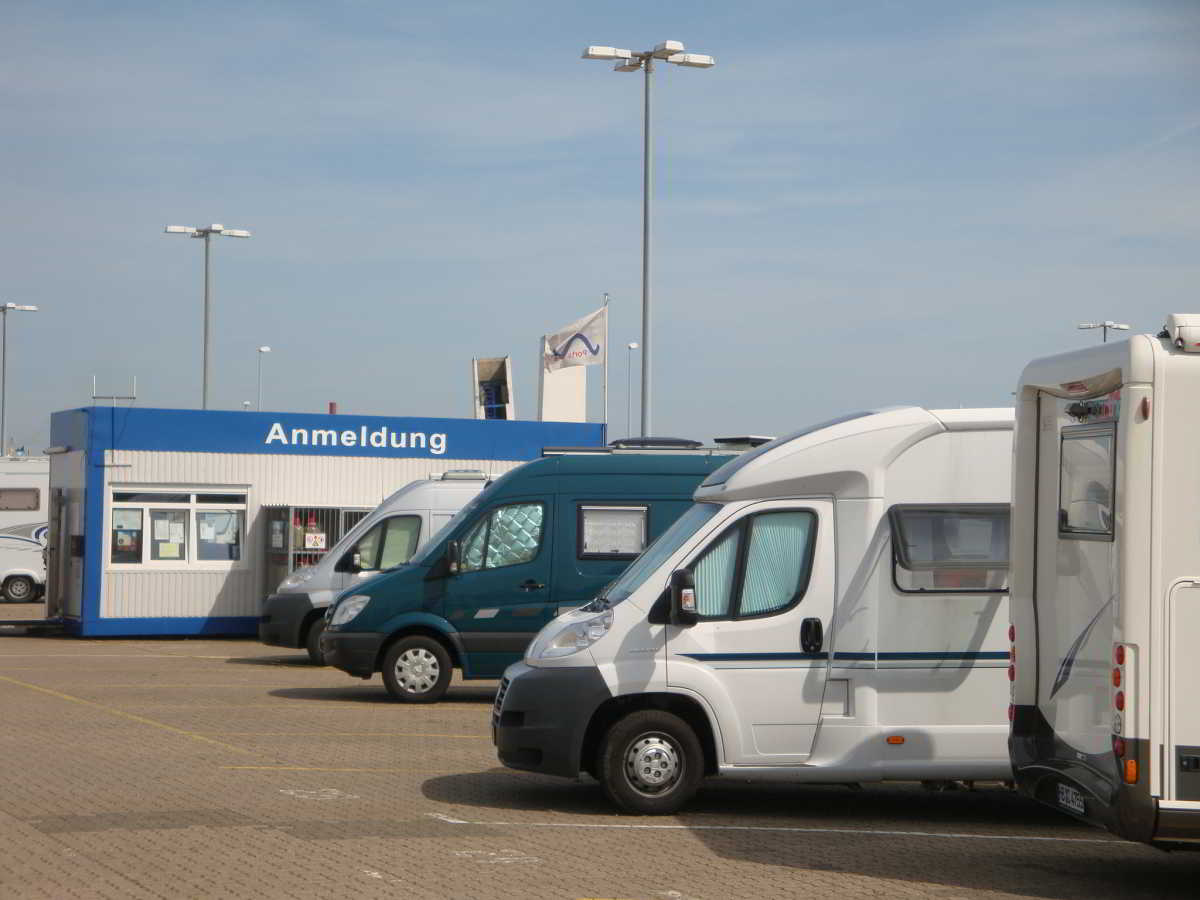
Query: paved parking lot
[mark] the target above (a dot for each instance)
(221, 768)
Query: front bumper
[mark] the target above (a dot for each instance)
(282, 618)
(541, 716)
(353, 652)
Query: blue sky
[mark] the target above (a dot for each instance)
(861, 204)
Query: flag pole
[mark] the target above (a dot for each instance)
(606, 366)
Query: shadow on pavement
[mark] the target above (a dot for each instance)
(825, 829)
(377, 693)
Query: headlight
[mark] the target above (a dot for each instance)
(297, 578)
(569, 633)
(349, 608)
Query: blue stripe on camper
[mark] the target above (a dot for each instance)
(915, 656)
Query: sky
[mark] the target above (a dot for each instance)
(862, 204)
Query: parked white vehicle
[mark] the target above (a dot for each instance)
(1106, 585)
(388, 536)
(831, 609)
(24, 490)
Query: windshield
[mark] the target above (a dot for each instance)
(425, 555)
(660, 551)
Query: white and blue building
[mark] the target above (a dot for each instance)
(158, 516)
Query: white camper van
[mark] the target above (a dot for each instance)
(832, 608)
(24, 490)
(1106, 585)
(294, 615)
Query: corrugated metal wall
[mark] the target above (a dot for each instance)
(269, 479)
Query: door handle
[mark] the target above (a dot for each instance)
(812, 636)
(530, 585)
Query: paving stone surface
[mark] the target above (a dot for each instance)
(223, 768)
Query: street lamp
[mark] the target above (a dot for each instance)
(261, 351)
(1106, 325)
(628, 381)
(206, 232)
(631, 61)
(5, 309)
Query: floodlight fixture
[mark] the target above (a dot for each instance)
(667, 49)
(1106, 325)
(628, 65)
(692, 60)
(596, 52)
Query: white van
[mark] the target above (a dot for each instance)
(294, 616)
(832, 608)
(1106, 585)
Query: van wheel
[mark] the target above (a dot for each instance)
(417, 669)
(651, 762)
(312, 641)
(19, 589)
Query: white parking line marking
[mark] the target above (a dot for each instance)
(786, 829)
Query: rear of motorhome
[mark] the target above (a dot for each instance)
(832, 608)
(1106, 585)
(294, 616)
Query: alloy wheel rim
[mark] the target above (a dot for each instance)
(417, 670)
(653, 764)
(19, 589)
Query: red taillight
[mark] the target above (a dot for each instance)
(1012, 633)
(1119, 746)
(1119, 655)
(1012, 673)
(1116, 677)
(1119, 700)
(1012, 712)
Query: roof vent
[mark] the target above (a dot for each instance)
(1183, 330)
(655, 443)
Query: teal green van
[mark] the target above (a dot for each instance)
(541, 538)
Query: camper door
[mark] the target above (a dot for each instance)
(759, 650)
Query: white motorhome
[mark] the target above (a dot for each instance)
(294, 616)
(24, 490)
(832, 608)
(1106, 585)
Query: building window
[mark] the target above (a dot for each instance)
(20, 499)
(612, 532)
(184, 529)
(951, 549)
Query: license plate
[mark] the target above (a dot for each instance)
(1071, 799)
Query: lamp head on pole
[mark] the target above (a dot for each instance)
(264, 349)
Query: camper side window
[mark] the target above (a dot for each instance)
(1085, 483)
(952, 549)
(23, 499)
(508, 536)
(759, 567)
(611, 532)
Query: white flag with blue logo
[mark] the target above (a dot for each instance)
(582, 343)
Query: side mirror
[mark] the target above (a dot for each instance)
(452, 557)
(356, 560)
(683, 599)
(348, 563)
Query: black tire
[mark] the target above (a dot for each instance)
(20, 589)
(650, 762)
(417, 669)
(312, 641)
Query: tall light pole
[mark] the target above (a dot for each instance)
(5, 309)
(261, 351)
(207, 232)
(631, 61)
(1106, 325)
(628, 381)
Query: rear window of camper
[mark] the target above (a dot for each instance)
(950, 549)
(1085, 482)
